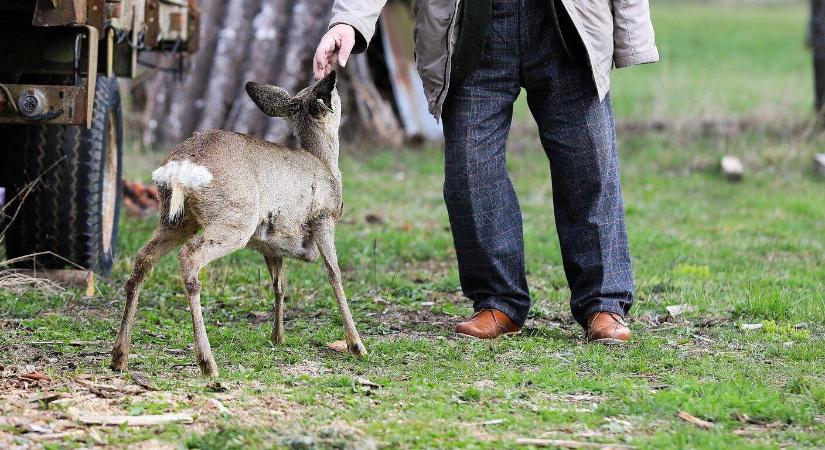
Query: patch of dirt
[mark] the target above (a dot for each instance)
(35, 412)
(417, 322)
(306, 367)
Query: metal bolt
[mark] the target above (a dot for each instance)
(32, 103)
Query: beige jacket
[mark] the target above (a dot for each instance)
(613, 32)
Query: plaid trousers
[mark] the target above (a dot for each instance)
(577, 131)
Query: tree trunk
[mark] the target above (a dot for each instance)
(817, 38)
(186, 105)
(269, 41)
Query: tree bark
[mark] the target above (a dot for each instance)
(186, 105)
(817, 38)
(270, 41)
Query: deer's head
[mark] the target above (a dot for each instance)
(314, 113)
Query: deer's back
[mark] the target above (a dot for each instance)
(251, 176)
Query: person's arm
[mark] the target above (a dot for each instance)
(633, 37)
(350, 30)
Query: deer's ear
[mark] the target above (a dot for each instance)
(323, 89)
(272, 100)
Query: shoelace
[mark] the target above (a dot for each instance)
(617, 320)
(495, 320)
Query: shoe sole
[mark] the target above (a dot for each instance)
(470, 336)
(607, 341)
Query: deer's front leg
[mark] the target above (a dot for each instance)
(325, 239)
(275, 264)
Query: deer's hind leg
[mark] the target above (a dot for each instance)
(275, 264)
(325, 238)
(161, 243)
(194, 256)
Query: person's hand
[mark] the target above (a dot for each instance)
(335, 47)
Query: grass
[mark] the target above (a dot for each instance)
(735, 60)
(745, 253)
(738, 253)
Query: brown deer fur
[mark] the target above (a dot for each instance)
(243, 191)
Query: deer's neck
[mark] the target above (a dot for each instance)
(325, 149)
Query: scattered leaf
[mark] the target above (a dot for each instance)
(338, 346)
(35, 376)
(678, 310)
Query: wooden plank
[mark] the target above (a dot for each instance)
(136, 421)
(75, 278)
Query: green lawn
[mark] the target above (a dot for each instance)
(720, 61)
(746, 253)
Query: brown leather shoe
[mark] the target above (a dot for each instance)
(607, 328)
(487, 324)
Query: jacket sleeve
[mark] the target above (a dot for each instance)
(634, 41)
(359, 14)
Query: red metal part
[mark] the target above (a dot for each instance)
(96, 13)
(48, 13)
(151, 17)
(51, 13)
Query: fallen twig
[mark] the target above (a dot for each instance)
(570, 444)
(143, 381)
(95, 388)
(135, 421)
(71, 434)
(693, 420)
(72, 343)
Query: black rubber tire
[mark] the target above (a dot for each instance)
(64, 214)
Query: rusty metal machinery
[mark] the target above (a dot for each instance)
(52, 50)
(61, 119)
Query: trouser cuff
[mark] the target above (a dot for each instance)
(517, 314)
(609, 305)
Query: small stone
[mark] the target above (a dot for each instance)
(732, 168)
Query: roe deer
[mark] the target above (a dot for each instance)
(247, 192)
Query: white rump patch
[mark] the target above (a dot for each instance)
(184, 173)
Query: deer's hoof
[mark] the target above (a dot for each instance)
(357, 348)
(208, 367)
